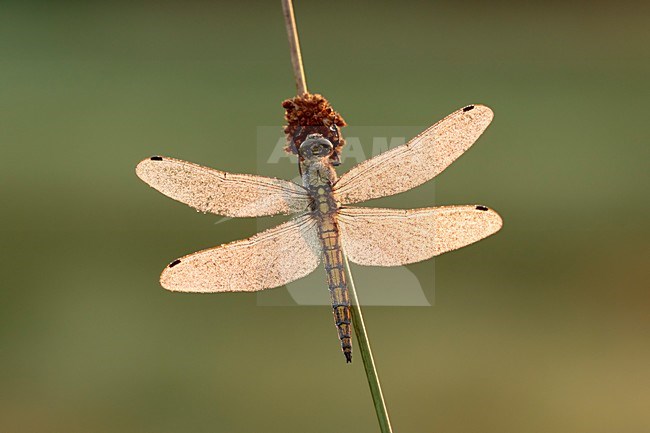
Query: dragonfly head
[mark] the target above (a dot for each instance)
(316, 146)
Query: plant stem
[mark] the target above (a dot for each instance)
(357, 318)
(294, 46)
(366, 355)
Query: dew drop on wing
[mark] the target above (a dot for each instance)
(483, 208)
(174, 263)
(156, 158)
(469, 107)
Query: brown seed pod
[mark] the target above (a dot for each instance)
(308, 114)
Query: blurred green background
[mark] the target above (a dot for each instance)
(541, 328)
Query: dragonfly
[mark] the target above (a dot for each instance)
(325, 226)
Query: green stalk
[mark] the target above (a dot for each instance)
(363, 344)
(357, 318)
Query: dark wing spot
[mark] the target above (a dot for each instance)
(174, 263)
(481, 208)
(469, 107)
(156, 158)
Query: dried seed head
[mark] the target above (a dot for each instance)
(309, 114)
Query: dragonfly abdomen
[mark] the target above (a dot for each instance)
(324, 208)
(337, 283)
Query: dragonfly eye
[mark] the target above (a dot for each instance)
(315, 146)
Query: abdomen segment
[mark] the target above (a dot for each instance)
(337, 283)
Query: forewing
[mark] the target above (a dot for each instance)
(269, 259)
(393, 237)
(417, 161)
(214, 191)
